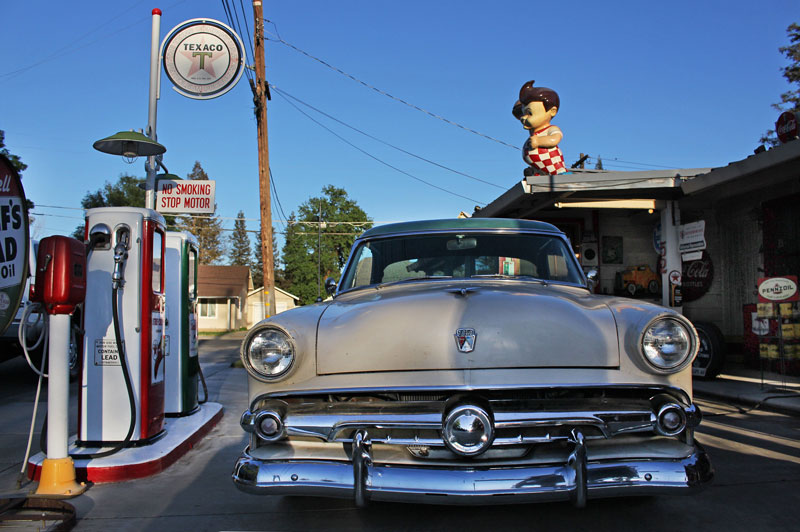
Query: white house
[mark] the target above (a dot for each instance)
(256, 303)
(222, 297)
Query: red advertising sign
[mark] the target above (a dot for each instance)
(787, 127)
(697, 277)
(778, 289)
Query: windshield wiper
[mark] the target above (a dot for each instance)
(408, 280)
(505, 276)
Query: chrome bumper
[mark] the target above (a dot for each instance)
(576, 480)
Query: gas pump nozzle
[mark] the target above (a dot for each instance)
(120, 256)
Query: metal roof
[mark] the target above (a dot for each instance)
(537, 193)
(458, 224)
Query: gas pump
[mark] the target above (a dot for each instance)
(121, 398)
(181, 339)
(60, 285)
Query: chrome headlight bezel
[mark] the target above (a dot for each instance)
(252, 367)
(660, 364)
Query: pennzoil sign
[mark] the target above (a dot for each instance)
(203, 58)
(778, 289)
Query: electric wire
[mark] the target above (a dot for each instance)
(298, 100)
(74, 48)
(376, 158)
(277, 199)
(235, 25)
(384, 93)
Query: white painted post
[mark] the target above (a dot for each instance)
(670, 222)
(58, 387)
(155, 70)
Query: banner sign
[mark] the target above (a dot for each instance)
(203, 58)
(186, 197)
(691, 237)
(778, 289)
(14, 242)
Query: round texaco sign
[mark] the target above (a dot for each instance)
(203, 58)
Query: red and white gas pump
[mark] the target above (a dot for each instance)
(60, 285)
(122, 381)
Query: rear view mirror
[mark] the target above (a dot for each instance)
(460, 243)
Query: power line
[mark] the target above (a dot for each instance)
(284, 93)
(234, 23)
(275, 193)
(374, 157)
(395, 98)
(74, 48)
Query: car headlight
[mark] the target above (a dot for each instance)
(668, 344)
(269, 352)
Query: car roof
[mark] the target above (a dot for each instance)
(459, 224)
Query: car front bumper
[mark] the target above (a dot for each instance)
(576, 479)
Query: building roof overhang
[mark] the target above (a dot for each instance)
(542, 193)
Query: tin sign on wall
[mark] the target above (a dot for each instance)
(203, 58)
(778, 289)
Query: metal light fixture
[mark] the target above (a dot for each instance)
(130, 145)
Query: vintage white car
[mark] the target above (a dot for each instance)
(467, 362)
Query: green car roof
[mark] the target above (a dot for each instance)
(459, 224)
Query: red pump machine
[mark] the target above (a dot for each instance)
(122, 393)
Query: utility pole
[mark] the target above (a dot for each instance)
(260, 97)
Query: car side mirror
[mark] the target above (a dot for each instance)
(591, 279)
(330, 285)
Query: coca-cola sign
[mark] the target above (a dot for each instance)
(787, 127)
(697, 277)
(777, 289)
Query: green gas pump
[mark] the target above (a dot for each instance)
(183, 366)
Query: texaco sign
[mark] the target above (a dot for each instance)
(203, 58)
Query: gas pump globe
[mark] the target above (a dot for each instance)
(125, 275)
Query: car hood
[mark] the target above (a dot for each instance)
(517, 324)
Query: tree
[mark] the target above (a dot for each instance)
(207, 229)
(128, 191)
(790, 100)
(318, 241)
(240, 242)
(16, 162)
(257, 264)
(19, 166)
(599, 165)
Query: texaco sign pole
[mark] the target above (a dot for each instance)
(260, 96)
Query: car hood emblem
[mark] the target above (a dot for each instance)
(465, 339)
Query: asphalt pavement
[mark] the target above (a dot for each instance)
(196, 493)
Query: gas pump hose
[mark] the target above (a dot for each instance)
(128, 386)
(123, 360)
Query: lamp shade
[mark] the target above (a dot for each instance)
(129, 144)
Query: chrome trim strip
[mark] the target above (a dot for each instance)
(337, 422)
(471, 485)
(678, 393)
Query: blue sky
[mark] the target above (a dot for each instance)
(679, 84)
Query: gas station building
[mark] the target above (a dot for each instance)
(742, 218)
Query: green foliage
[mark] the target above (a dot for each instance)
(128, 191)
(599, 165)
(315, 250)
(239, 242)
(15, 160)
(207, 229)
(257, 264)
(790, 100)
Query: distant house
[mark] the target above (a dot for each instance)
(255, 304)
(222, 297)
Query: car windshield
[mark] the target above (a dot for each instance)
(460, 255)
